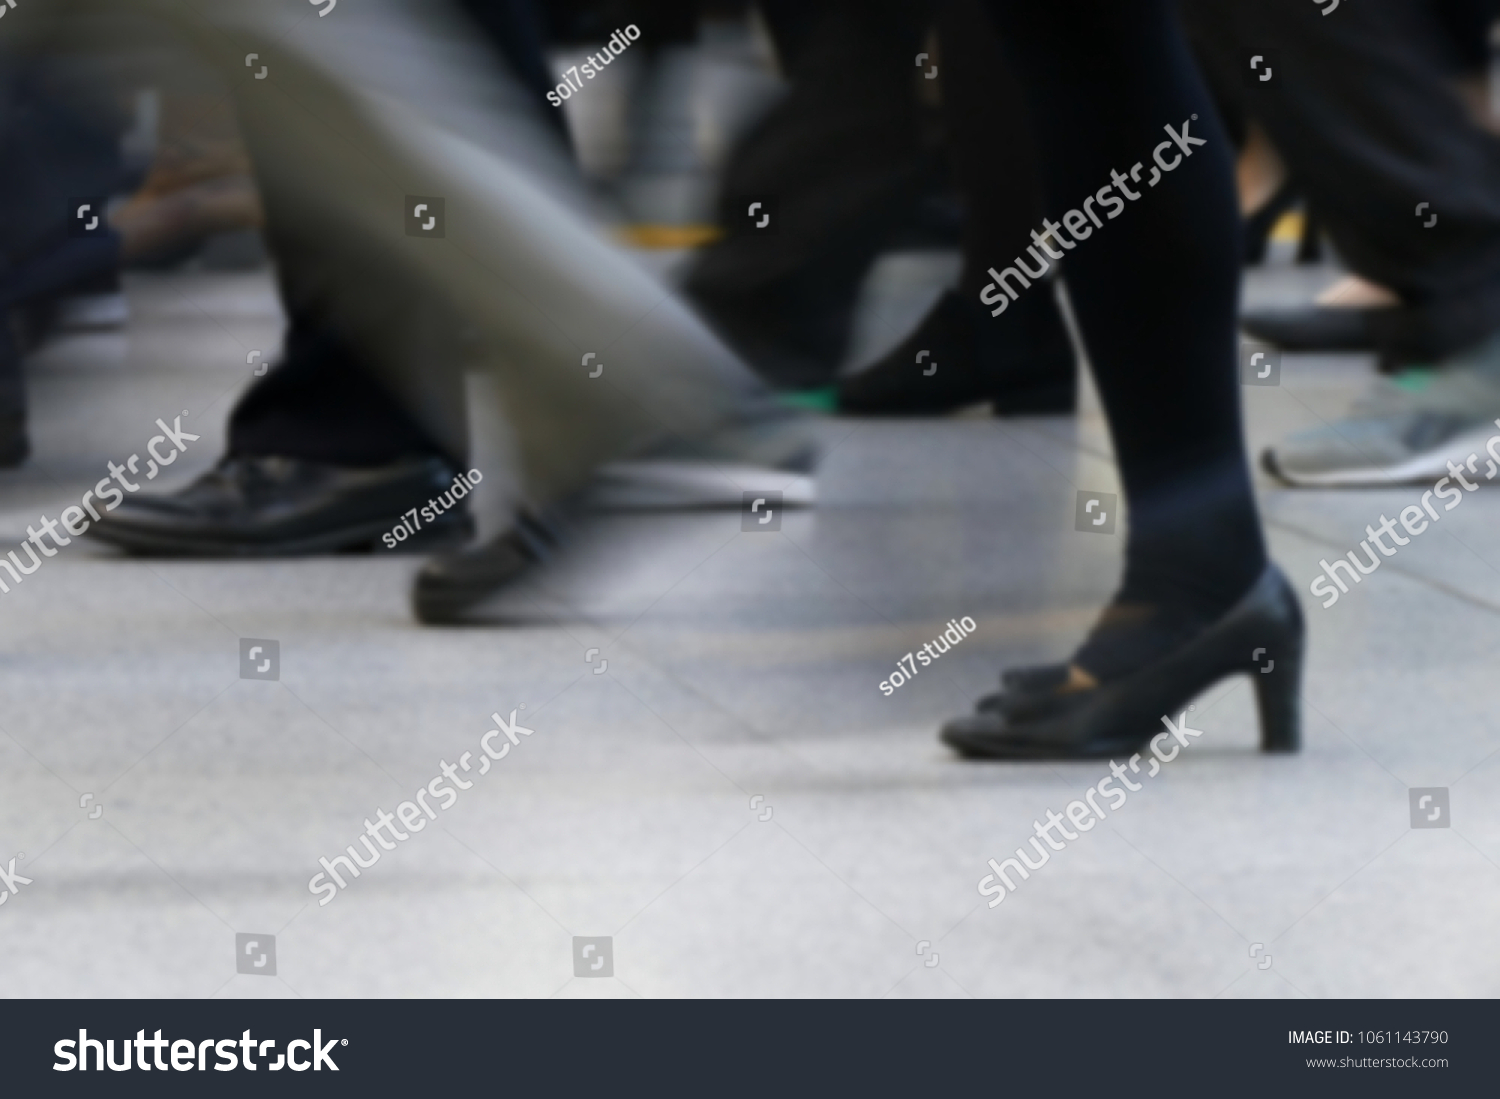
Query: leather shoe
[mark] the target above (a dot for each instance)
(271, 507)
(1032, 720)
(1318, 328)
(451, 584)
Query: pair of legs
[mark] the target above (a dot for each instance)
(855, 161)
(520, 285)
(1368, 95)
(1366, 109)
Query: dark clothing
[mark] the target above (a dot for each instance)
(839, 161)
(319, 404)
(54, 153)
(989, 142)
(1360, 108)
(1155, 293)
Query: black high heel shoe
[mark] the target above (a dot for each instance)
(1031, 718)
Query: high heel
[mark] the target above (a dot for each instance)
(1262, 635)
(1278, 696)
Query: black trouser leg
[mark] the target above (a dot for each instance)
(321, 405)
(1361, 109)
(841, 160)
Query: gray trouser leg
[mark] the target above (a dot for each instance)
(383, 100)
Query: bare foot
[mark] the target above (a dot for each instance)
(1259, 172)
(154, 222)
(1353, 292)
(1078, 680)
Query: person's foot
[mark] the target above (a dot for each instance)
(270, 507)
(1023, 365)
(167, 220)
(1063, 712)
(451, 584)
(1409, 430)
(1351, 315)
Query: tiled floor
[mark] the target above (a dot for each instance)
(732, 801)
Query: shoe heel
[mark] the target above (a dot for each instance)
(1278, 697)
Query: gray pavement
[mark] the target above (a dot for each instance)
(732, 800)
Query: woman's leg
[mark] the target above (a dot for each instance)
(1155, 291)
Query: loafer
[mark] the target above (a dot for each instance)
(275, 507)
(1319, 328)
(450, 585)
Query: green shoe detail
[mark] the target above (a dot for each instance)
(825, 399)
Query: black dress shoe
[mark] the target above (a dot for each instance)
(271, 507)
(1121, 716)
(1319, 328)
(1016, 682)
(959, 356)
(450, 585)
